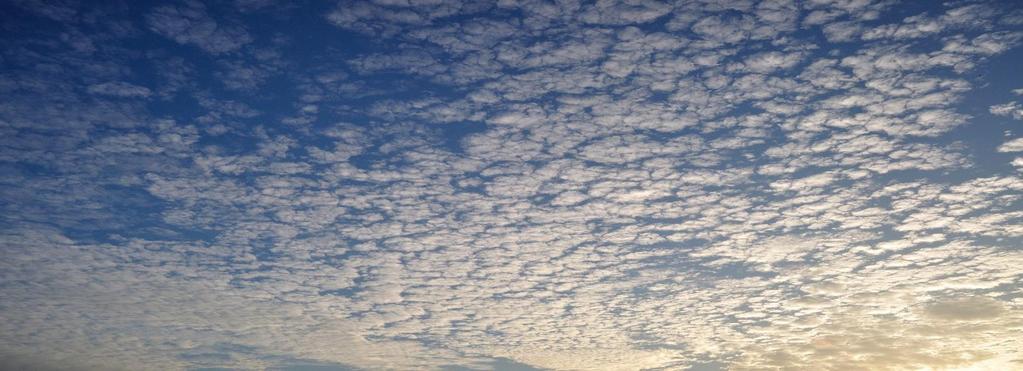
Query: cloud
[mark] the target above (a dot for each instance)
(189, 23)
(427, 185)
(120, 89)
(1010, 109)
(625, 12)
(388, 18)
(965, 309)
(969, 16)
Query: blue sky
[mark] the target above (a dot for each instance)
(511, 185)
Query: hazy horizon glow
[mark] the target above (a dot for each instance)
(511, 185)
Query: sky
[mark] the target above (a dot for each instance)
(511, 185)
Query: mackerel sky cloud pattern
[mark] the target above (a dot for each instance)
(511, 185)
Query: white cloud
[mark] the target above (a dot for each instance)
(609, 185)
(1015, 145)
(189, 23)
(1011, 109)
(120, 89)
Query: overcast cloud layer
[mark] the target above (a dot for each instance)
(571, 185)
